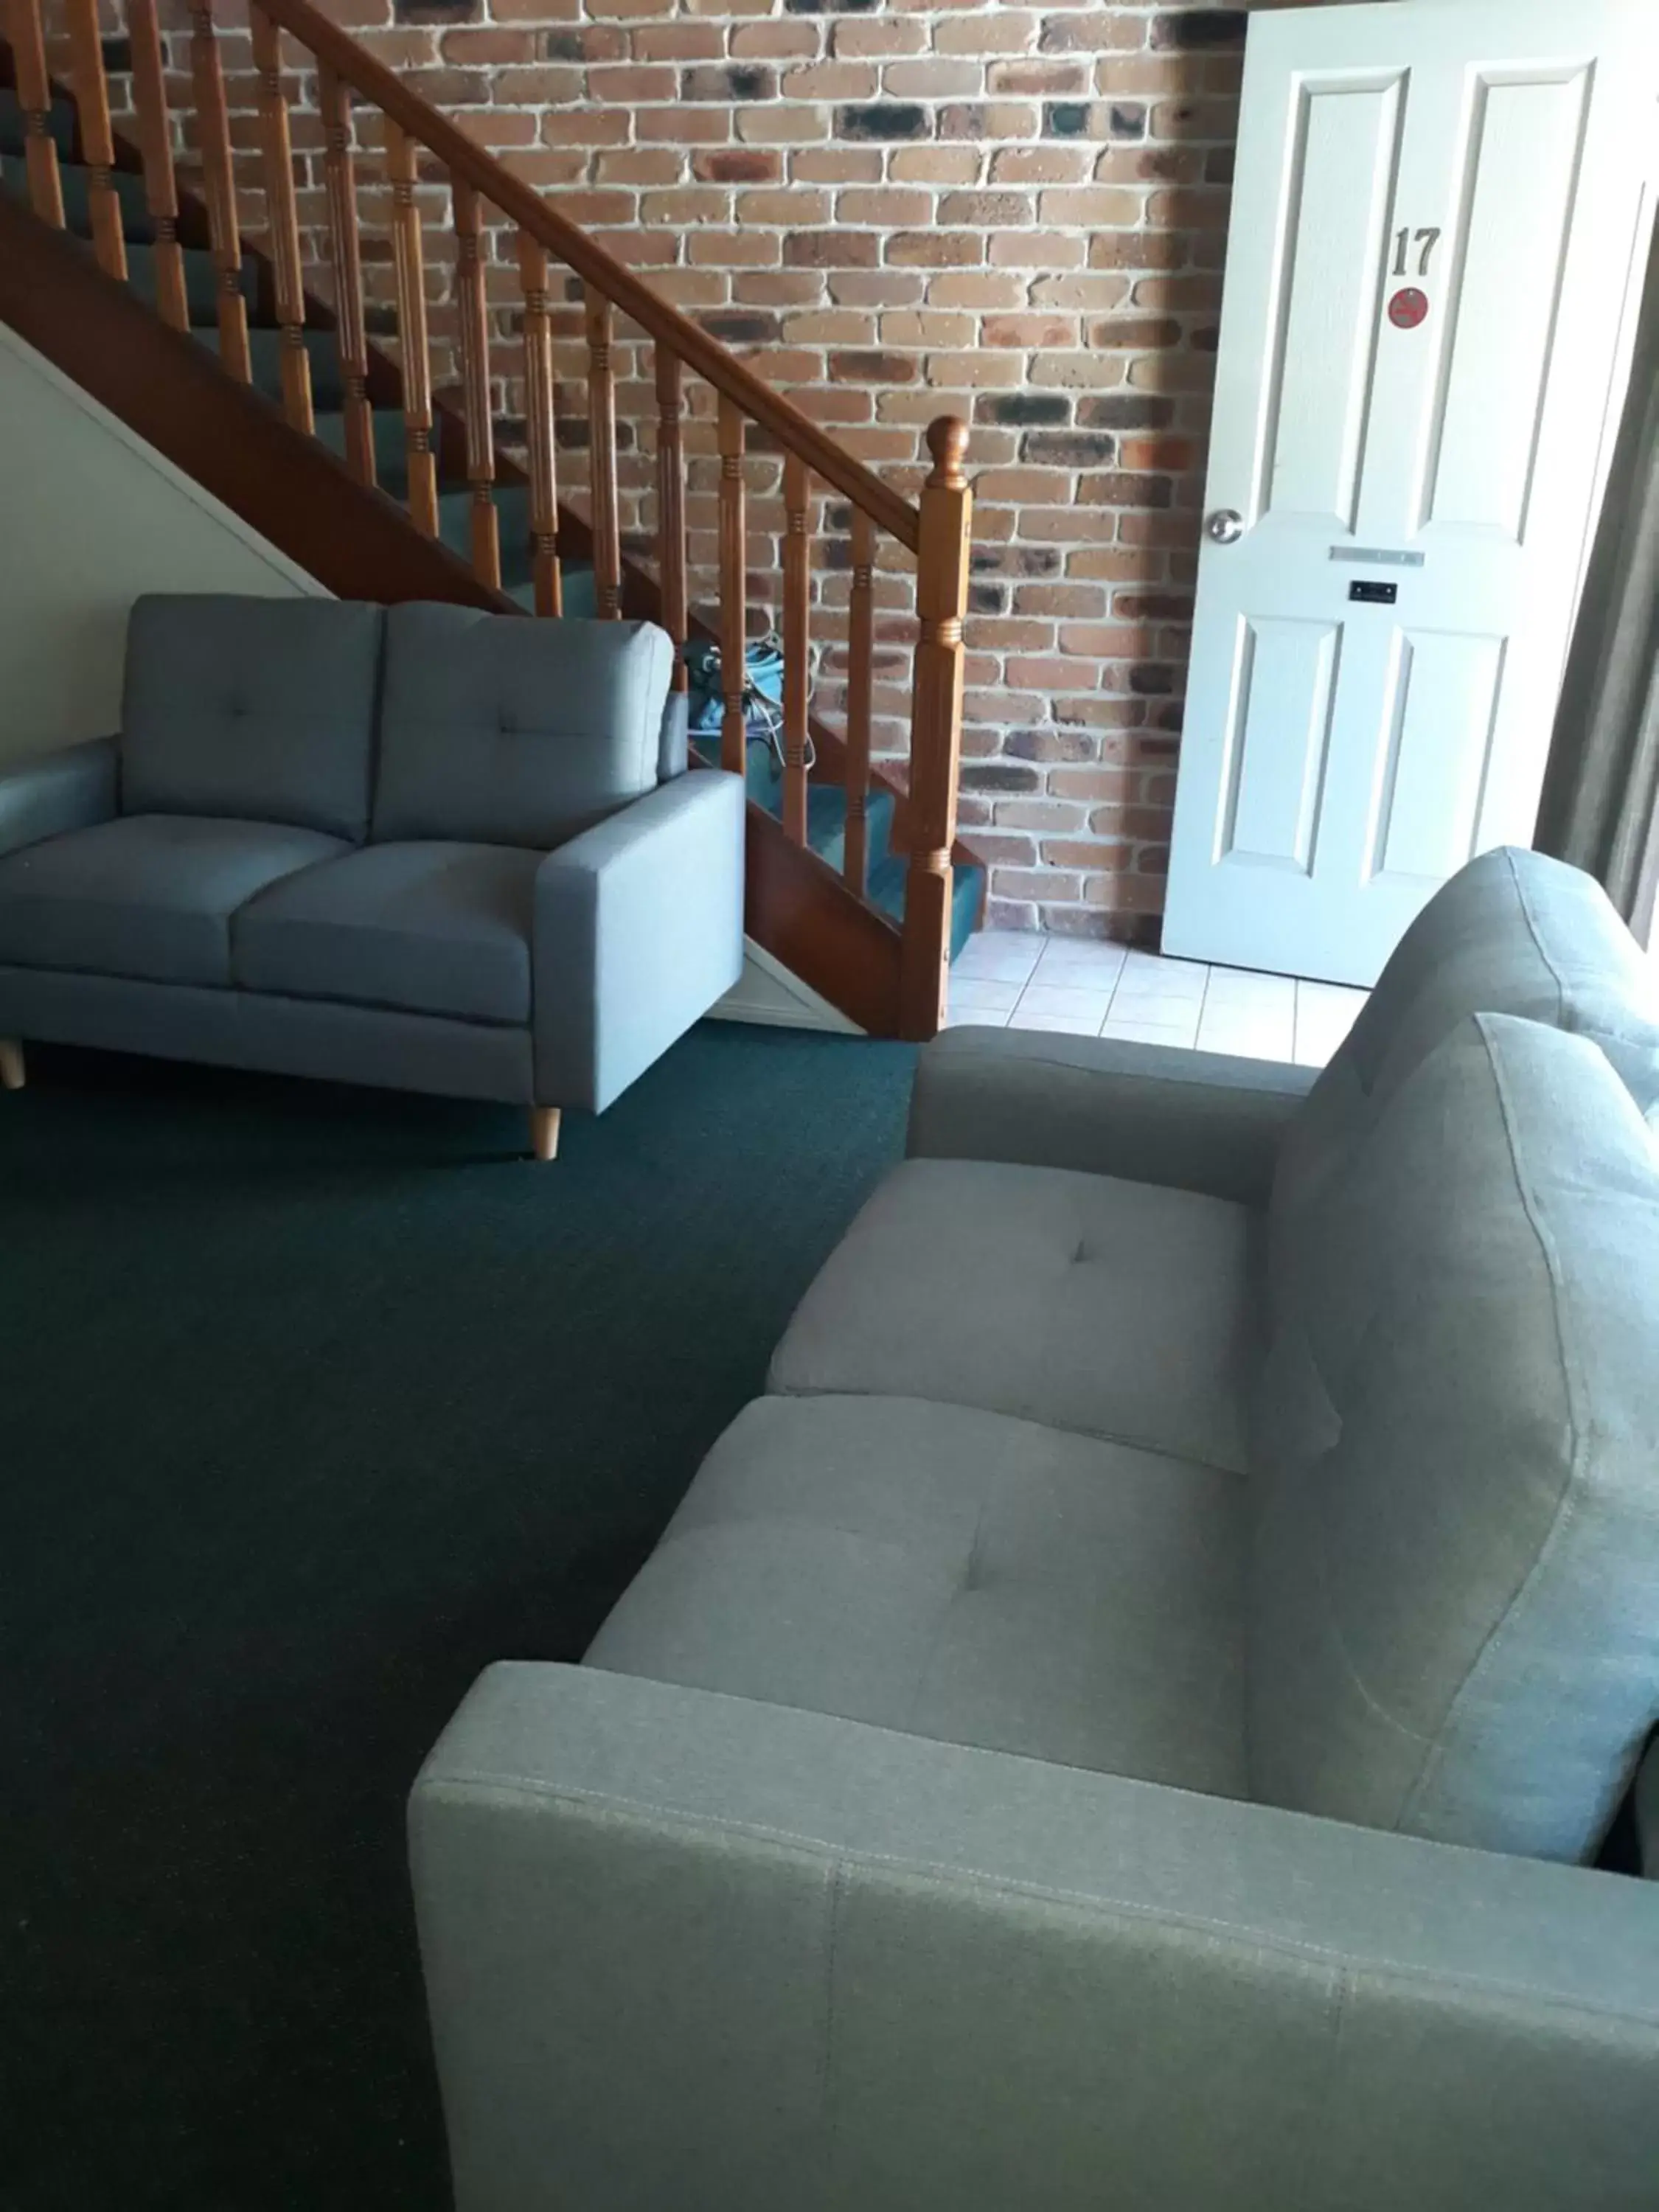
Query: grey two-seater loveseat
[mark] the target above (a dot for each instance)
(418, 846)
(1129, 1720)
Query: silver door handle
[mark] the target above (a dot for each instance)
(1226, 526)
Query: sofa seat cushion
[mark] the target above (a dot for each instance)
(958, 1575)
(255, 709)
(1116, 1308)
(150, 896)
(428, 928)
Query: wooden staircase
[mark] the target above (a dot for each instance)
(339, 451)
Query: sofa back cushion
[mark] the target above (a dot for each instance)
(256, 710)
(1511, 934)
(500, 731)
(1454, 1623)
(1647, 1813)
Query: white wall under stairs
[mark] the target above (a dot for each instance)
(91, 516)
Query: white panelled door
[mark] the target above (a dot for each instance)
(1440, 223)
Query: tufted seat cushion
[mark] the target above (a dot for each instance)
(430, 928)
(1119, 1309)
(957, 1575)
(148, 897)
(258, 710)
(502, 731)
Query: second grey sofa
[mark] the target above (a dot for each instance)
(1128, 1719)
(421, 847)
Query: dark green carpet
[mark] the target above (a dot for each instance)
(313, 1402)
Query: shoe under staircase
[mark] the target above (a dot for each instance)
(217, 353)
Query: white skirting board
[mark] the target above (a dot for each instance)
(770, 995)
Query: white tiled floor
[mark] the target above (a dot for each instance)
(1011, 981)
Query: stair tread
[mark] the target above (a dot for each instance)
(60, 123)
(390, 469)
(265, 350)
(826, 803)
(137, 224)
(886, 890)
(201, 280)
(826, 835)
(201, 277)
(455, 510)
(581, 602)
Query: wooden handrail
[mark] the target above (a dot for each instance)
(761, 402)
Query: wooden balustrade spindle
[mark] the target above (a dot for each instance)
(861, 678)
(282, 219)
(797, 645)
(340, 180)
(602, 457)
(947, 506)
(474, 382)
(156, 146)
(28, 48)
(670, 508)
(220, 184)
(97, 141)
(734, 584)
(409, 271)
(539, 425)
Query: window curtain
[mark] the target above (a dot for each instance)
(1601, 808)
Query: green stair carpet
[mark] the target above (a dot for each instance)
(827, 811)
(316, 1401)
(826, 832)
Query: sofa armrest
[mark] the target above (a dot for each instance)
(638, 932)
(1150, 1113)
(48, 794)
(685, 1949)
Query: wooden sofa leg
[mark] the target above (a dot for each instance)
(545, 1131)
(11, 1063)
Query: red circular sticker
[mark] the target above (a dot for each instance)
(1408, 309)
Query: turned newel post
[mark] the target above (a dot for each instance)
(947, 508)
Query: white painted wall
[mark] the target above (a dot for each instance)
(90, 517)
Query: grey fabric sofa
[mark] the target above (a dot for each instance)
(1128, 1719)
(420, 846)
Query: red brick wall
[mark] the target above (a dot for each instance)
(1013, 213)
